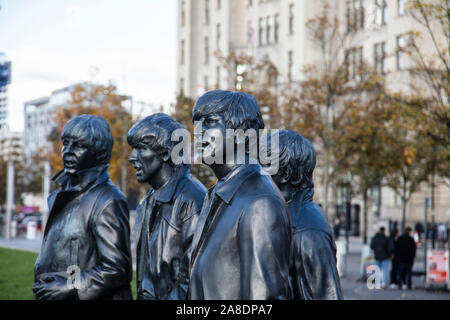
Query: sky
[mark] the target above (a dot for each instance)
(54, 43)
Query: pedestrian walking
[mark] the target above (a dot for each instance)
(394, 258)
(382, 253)
(406, 252)
(337, 229)
(433, 234)
(441, 235)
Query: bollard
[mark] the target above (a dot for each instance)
(31, 230)
(341, 254)
(13, 229)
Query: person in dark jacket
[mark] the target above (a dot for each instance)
(382, 253)
(394, 258)
(166, 219)
(337, 229)
(406, 252)
(242, 244)
(313, 271)
(85, 252)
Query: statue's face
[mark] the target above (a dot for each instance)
(213, 136)
(76, 155)
(146, 162)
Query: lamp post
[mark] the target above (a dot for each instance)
(9, 198)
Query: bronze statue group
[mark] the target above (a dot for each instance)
(251, 236)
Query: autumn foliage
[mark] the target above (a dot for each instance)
(103, 101)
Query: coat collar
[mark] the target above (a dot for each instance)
(86, 177)
(301, 197)
(166, 193)
(227, 187)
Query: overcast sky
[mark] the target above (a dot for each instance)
(54, 43)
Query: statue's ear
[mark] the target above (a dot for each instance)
(166, 155)
(101, 156)
(285, 175)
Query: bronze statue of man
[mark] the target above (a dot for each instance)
(242, 244)
(85, 252)
(166, 218)
(314, 273)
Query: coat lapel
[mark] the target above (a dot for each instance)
(140, 214)
(200, 229)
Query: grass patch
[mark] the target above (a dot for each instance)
(17, 274)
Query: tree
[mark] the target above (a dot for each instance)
(366, 138)
(258, 77)
(101, 100)
(407, 152)
(428, 47)
(318, 107)
(27, 176)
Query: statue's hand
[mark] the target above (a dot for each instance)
(53, 287)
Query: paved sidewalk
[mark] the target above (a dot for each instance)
(22, 244)
(355, 289)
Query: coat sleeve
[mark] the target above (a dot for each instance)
(264, 239)
(315, 266)
(111, 230)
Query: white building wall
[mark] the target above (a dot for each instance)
(235, 16)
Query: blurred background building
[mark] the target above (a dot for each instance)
(276, 29)
(11, 144)
(38, 115)
(5, 79)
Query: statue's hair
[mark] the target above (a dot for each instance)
(297, 153)
(92, 130)
(240, 109)
(155, 131)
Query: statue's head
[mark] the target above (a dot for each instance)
(218, 111)
(152, 145)
(87, 142)
(297, 160)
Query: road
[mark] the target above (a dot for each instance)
(355, 289)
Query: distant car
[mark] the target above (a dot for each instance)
(20, 216)
(23, 224)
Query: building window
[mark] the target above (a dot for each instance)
(400, 7)
(206, 12)
(249, 3)
(182, 85)
(290, 65)
(260, 31)
(219, 4)
(277, 27)
(355, 15)
(354, 61)
(182, 52)
(183, 13)
(379, 57)
(206, 50)
(250, 32)
(218, 76)
(291, 18)
(380, 13)
(219, 35)
(268, 29)
(272, 77)
(400, 52)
